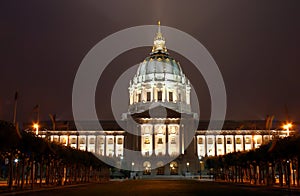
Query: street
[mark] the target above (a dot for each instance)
(163, 187)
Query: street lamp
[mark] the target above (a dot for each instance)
(287, 128)
(132, 173)
(36, 127)
(187, 166)
(201, 162)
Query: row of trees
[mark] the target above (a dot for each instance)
(33, 160)
(274, 163)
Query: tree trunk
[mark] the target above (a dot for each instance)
(273, 174)
(32, 173)
(10, 176)
(250, 173)
(47, 172)
(75, 173)
(280, 173)
(41, 172)
(23, 172)
(298, 171)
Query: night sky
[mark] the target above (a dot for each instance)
(256, 45)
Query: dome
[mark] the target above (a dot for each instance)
(159, 80)
(159, 63)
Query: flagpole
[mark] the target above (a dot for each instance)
(37, 110)
(15, 108)
(38, 114)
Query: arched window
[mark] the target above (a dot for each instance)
(147, 168)
(173, 168)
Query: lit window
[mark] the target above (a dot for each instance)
(220, 141)
(110, 141)
(228, 141)
(92, 140)
(266, 139)
(200, 140)
(147, 140)
(170, 96)
(148, 96)
(238, 141)
(73, 140)
(82, 141)
(258, 141)
(120, 141)
(63, 140)
(101, 140)
(160, 141)
(159, 95)
(173, 141)
(248, 140)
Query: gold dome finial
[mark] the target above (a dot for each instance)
(159, 41)
(159, 32)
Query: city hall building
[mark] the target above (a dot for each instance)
(168, 136)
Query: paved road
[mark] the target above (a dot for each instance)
(161, 187)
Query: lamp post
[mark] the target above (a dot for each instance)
(201, 162)
(287, 128)
(187, 167)
(132, 173)
(36, 127)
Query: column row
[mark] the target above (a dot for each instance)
(103, 145)
(160, 138)
(212, 145)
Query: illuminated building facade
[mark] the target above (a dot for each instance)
(162, 124)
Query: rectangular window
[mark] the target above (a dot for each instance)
(73, 140)
(101, 140)
(266, 139)
(210, 141)
(258, 141)
(228, 141)
(120, 141)
(110, 141)
(63, 140)
(147, 140)
(200, 140)
(179, 97)
(160, 141)
(159, 95)
(238, 141)
(92, 140)
(148, 96)
(173, 141)
(82, 141)
(248, 140)
(220, 141)
(170, 96)
(139, 98)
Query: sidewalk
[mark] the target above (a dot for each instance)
(27, 188)
(295, 189)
